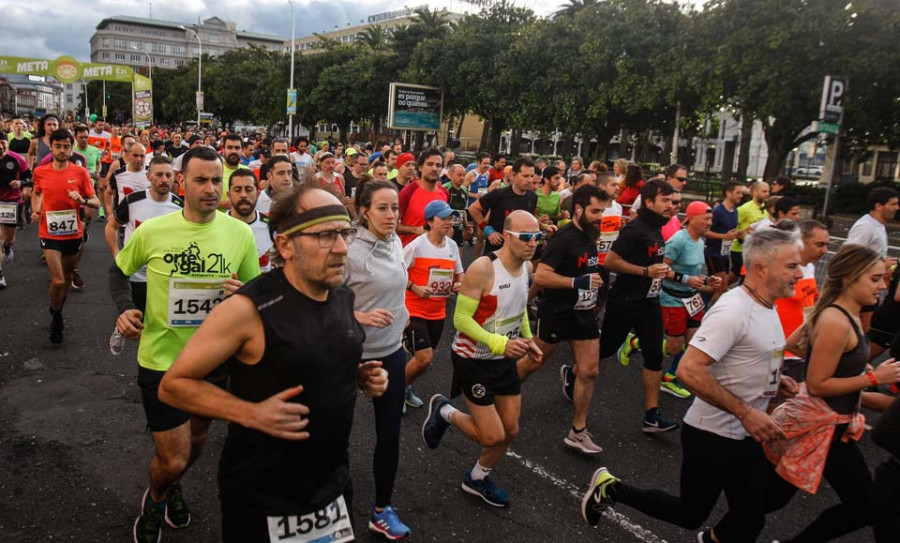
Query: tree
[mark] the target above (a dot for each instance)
(375, 37)
(574, 6)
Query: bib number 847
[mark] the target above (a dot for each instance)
(65, 226)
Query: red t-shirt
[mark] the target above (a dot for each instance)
(494, 174)
(61, 219)
(413, 199)
(630, 194)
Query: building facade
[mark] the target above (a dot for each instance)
(30, 96)
(140, 42)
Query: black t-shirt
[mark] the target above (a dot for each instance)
(501, 202)
(20, 146)
(350, 181)
(887, 316)
(318, 345)
(570, 253)
(175, 152)
(641, 243)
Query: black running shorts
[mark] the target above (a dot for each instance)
(481, 380)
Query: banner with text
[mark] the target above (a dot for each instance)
(66, 69)
(415, 107)
(143, 101)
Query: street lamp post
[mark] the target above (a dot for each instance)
(291, 86)
(199, 68)
(149, 62)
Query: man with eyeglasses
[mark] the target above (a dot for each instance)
(569, 273)
(291, 346)
(492, 334)
(192, 259)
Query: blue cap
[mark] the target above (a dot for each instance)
(374, 156)
(471, 167)
(438, 208)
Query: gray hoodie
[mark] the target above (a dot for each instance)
(377, 275)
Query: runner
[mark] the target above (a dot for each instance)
(733, 366)
(406, 171)
(477, 181)
(247, 148)
(60, 190)
(231, 152)
(330, 180)
(137, 208)
(132, 177)
(279, 180)
(243, 195)
(548, 211)
(301, 157)
(291, 347)
(40, 146)
(19, 138)
(435, 271)
(637, 258)
(720, 236)
(610, 225)
(749, 213)
(490, 211)
(886, 320)
(12, 170)
(490, 319)
(869, 230)
(886, 489)
(418, 193)
(192, 259)
(569, 273)
(682, 296)
(376, 273)
(458, 200)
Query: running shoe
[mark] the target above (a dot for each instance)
(581, 441)
(148, 526)
(412, 399)
(2, 281)
(624, 352)
(597, 498)
(77, 283)
(568, 382)
(434, 426)
(673, 386)
(388, 524)
(656, 423)
(8, 254)
(486, 489)
(177, 513)
(706, 537)
(56, 327)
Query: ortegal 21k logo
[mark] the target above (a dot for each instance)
(191, 261)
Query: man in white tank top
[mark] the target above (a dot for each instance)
(492, 333)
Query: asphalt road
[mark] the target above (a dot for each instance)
(74, 453)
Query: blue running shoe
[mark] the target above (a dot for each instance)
(656, 423)
(486, 489)
(434, 426)
(388, 524)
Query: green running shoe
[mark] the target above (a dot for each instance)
(597, 498)
(673, 386)
(624, 353)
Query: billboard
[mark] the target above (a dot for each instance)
(414, 107)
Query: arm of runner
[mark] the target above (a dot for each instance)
(616, 263)
(730, 235)
(876, 401)
(546, 277)
(233, 328)
(372, 378)
(130, 321)
(477, 213)
(111, 234)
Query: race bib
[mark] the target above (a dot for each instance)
(62, 223)
(655, 287)
(694, 304)
(331, 524)
(8, 213)
(511, 327)
(605, 242)
(457, 219)
(726, 248)
(773, 378)
(191, 300)
(587, 299)
(441, 282)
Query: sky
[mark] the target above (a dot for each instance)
(51, 28)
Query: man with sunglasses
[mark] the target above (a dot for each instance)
(569, 273)
(492, 333)
(292, 347)
(676, 176)
(192, 259)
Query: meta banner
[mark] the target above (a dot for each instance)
(66, 69)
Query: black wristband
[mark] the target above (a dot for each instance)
(645, 271)
(678, 277)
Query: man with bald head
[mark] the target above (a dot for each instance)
(131, 178)
(293, 348)
(492, 334)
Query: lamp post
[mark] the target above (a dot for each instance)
(199, 68)
(149, 62)
(291, 86)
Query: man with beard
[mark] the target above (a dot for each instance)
(570, 276)
(139, 207)
(280, 173)
(291, 346)
(418, 193)
(231, 152)
(636, 257)
(490, 211)
(243, 194)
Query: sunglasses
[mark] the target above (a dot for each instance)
(526, 237)
(676, 202)
(682, 179)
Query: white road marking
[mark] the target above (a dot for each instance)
(639, 532)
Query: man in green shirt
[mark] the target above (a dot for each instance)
(748, 214)
(194, 259)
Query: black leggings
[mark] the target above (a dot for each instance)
(712, 464)
(847, 473)
(886, 501)
(646, 320)
(388, 416)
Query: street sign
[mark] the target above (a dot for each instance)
(833, 93)
(292, 101)
(205, 115)
(827, 128)
(104, 111)
(199, 101)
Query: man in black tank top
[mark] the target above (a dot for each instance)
(292, 347)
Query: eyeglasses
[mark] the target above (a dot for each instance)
(526, 237)
(682, 179)
(327, 238)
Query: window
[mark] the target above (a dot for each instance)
(887, 165)
(194, 51)
(68, 86)
(136, 45)
(177, 49)
(105, 56)
(105, 42)
(135, 58)
(214, 37)
(70, 98)
(120, 44)
(120, 56)
(179, 63)
(867, 167)
(165, 62)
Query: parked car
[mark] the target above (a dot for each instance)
(809, 171)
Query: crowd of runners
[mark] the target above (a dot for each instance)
(268, 281)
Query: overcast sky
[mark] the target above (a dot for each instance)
(51, 28)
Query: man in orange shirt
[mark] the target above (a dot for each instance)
(418, 193)
(60, 189)
(793, 311)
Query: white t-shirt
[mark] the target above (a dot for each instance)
(637, 204)
(302, 161)
(264, 202)
(869, 233)
(139, 207)
(421, 252)
(747, 342)
(260, 228)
